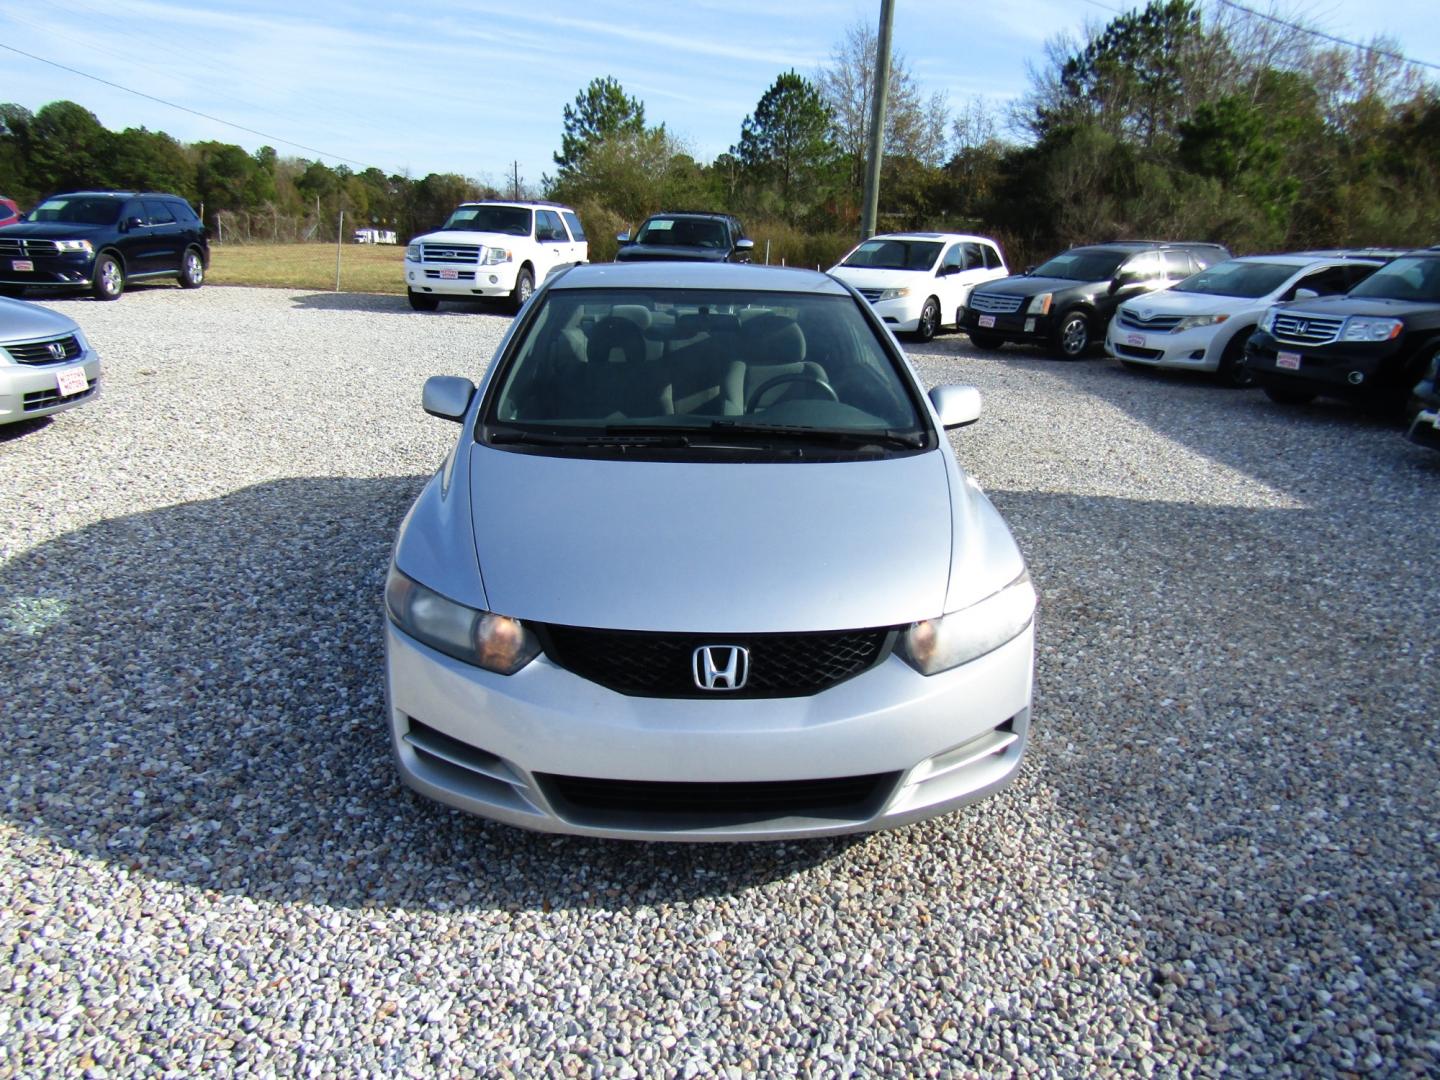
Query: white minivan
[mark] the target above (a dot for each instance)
(919, 281)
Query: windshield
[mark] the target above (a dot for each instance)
(510, 220)
(1082, 265)
(704, 363)
(1237, 278)
(1403, 279)
(683, 232)
(78, 211)
(885, 254)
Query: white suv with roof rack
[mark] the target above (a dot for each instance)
(493, 249)
(917, 281)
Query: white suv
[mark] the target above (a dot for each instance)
(493, 249)
(917, 281)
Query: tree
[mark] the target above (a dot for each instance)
(152, 161)
(601, 110)
(914, 124)
(69, 149)
(786, 145)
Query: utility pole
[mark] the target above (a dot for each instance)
(871, 207)
(515, 180)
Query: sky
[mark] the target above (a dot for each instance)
(473, 87)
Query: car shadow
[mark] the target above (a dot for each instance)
(387, 303)
(196, 694)
(18, 429)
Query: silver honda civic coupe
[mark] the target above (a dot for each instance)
(702, 566)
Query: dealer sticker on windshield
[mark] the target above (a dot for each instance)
(71, 382)
(987, 321)
(24, 265)
(1288, 360)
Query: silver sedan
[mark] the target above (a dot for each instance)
(46, 365)
(702, 566)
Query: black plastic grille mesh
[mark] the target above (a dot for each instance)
(661, 665)
(582, 798)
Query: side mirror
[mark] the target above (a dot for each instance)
(1305, 294)
(623, 237)
(744, 244)
(956, 406)
(447, 396)
(134, 223)
(1029, 269)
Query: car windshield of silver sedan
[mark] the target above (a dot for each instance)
(1236, 278)
(1403, 279)
(700, 370)
(894, 255)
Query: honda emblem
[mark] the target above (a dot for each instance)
(720, 667)
(57, 350)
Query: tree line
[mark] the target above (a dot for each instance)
(1169, 121)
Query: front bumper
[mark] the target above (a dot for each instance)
(1033, 329)
(902, 314)
(32, 390)
(470, 279)
(1190, 350)
(489, 744)
(1340, 369)
(71, 270)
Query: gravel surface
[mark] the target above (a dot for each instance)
(1220, 857)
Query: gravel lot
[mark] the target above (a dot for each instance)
(1220, 858)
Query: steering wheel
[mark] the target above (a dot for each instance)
(789, 377)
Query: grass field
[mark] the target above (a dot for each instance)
(371, 268)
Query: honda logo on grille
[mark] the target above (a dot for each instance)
(720, 667)
(1301, 326)
(57, 350)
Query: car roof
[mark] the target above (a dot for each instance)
(697, 275)
(113, 195)
(523, 204)
(928, 236)
(1308, 258)
(692, 213)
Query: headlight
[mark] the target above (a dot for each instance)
(936, 645)
(74, 245)
(492, 256)
(414, 253)
(493, 642)
(1358, 328)
(1040, 305)
(892, 294)
(1268, 322)
(1192, 321)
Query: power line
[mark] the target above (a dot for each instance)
(193, 112)
(1328, 37)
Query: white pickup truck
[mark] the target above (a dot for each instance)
(493, 249)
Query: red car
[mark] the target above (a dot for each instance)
(9, 212)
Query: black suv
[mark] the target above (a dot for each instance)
(99, 240)
(1372, 345)
(687, 236)
(1067, 302)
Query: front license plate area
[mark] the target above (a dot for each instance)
(1134, 339)
(71, 382)
(25, 266)
(987, 321)
(1290, 361)
(449, 275)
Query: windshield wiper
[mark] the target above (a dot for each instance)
(911, 440)
(620, 439)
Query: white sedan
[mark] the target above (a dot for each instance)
(46, 365)
(1203, 322)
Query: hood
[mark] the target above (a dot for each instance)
(1341, 306)
(23, 321)
(51, 230)
(712, 547)
(459, 236)
(866, 277)
(1023, 285)
(670, 253)
(1170, 302)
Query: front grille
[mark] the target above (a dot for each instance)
(40, 352)
(451, 253)
(849, 798)
(870, 294)
(996, 303)
(660, 665)
(1306, 329)
(44, 399)
(14, 247)
(460, 275)
(1156, 324)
